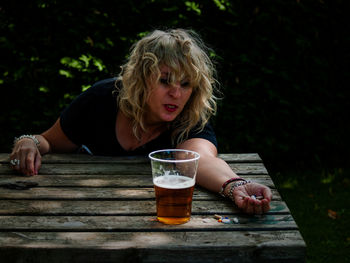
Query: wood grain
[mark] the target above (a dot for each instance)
(198, 247)
(120, 207)
(102, 209)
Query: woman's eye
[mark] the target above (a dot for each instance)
(164, 81)
(185, 84)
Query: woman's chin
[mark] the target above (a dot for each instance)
(169, 118)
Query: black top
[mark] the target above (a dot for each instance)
(90, 121)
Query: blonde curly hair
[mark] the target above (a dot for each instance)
(186, 55)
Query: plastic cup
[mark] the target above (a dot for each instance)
(174, 176)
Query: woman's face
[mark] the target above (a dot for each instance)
(166, 100)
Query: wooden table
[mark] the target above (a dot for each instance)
(102, 209)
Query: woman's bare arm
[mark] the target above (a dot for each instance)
(213, 172)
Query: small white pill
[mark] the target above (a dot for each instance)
(226, 221)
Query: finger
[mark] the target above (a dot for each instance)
(13, 153)
(250, 205)
(267, 193)
(37, 164)
(241, 198)
(22, 163)
(239, 201)
(265, 205)
(14, 166)
(13, 157)
(258, 207)
(30, 163)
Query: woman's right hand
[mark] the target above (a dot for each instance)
(28, 156)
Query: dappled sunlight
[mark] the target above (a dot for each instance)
(152, 239)
(40, 205)
(136, 193)
(139, 239)
(111, 240)
(93, 182)
(329, 177)
(290, 183)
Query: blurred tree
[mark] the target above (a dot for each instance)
(281, 64)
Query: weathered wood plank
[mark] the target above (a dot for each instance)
(240, 157)
(238, 246)
(88, 168)
(140, 207)
(90, 180)
(126, 168)
(142, 223)
(85, 158)
(85, 193)
(248, 168)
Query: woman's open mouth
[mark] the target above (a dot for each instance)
(170, 107)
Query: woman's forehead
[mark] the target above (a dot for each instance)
(167, 71)
(164, 69)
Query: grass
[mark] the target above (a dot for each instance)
(319, 202)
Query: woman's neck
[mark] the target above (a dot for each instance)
(125, 132)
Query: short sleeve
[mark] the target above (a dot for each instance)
(87, 115)
(207, 133)
(75, 117)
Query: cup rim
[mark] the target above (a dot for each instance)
(197, 156)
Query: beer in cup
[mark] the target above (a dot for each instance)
(174, 176)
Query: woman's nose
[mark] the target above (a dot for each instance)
(175, 90)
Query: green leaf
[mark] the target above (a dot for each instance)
(86, 59)
(65, 73)
(99, 64)
(71, 62)
(328, 179)
(43, 89)
(193, 6)
(220, 5)
(85, 87)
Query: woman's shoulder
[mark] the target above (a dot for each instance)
(102, 89)
(207, 132)
(105, 82)
(100, 93)
(103, 86)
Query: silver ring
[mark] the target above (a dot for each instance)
(14, 162)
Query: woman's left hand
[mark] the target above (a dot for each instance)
(253, 198)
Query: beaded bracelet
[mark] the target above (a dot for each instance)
(223, 187)
(233, 186)
(36, 141)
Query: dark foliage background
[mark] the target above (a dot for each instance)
(283, 66)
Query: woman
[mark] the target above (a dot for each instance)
(163, 98)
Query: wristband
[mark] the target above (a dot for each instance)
(227, 182)
(233, 186)
(36, 141)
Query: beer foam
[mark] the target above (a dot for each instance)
(173, 181)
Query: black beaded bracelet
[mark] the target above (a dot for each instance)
(233, 186)
(223, 187)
